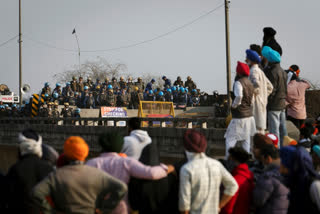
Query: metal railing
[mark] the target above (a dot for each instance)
(203, 123)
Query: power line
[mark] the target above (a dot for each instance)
(131, 45)
(6, 42)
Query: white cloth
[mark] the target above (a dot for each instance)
(262, 88)
(30, 146)
(135, 143)
(315, 193)
(240, 129)
(200, 180)
(238, 93)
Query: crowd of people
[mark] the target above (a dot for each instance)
(128, 177)
(121, 93)
(276, 175)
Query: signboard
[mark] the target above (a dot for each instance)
(113, 112)
(9, 99)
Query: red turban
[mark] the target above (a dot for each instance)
(194, 141)
(243, 69)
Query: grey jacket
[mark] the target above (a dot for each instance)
(278, 78)
(79, 189)
(270, 196)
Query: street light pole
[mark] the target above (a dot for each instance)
(20, 56)
(227, 2)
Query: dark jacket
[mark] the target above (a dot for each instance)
(272, 43)
(21, 178)
(245, 109)
(278, 78)
(153, 197)
(270, 195)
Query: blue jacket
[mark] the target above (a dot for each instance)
(149, 86)
(270, 195)
(167, 83)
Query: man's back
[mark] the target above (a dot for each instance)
(76, 188)
(296, 99)
(200, 181)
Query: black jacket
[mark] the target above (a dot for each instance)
(153, 197)
(21, 178)
(278, 78)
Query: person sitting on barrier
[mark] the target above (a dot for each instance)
(149, 96)
(182, 98)
(78, 188)
(26, 173)
(57, 89)
(161, 97)
(123, 168)
(89, 101)
(66, 90)
(123, 99)
(111, 98)
(168, 95)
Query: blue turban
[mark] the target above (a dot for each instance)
(288, 155)
(253, 56)
(316, 149)
(271, 55)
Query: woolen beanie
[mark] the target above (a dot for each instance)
(243, 69)
(76, 148)
(194, 141)
(271, 55)
(269, 31)
(259, 140)
(30, 143)
(111, 142)
(288, 154)
(253, 56)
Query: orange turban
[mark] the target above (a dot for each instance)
(76, 148)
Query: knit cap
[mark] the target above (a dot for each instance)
(30, 143)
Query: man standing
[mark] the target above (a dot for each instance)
(139, 84)
(77, 188)
(167, 82)
(270, 41)
(296, 109)
(262, 89)
(201, 177)
(150, 85)
(242, 126)
(276, 100)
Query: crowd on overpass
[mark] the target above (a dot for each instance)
(121, 93)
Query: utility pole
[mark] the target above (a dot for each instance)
(226, 4)
(20, 56)
(75, 33)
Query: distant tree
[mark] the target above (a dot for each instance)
(99, 68)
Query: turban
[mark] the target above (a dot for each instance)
(253, 56)
(75, 148)
(269, 31)
(30, 143)
(194, 141)
(271, 55)
(243, 69)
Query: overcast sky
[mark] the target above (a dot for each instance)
(197, 50)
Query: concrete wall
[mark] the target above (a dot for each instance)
(168, 140)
